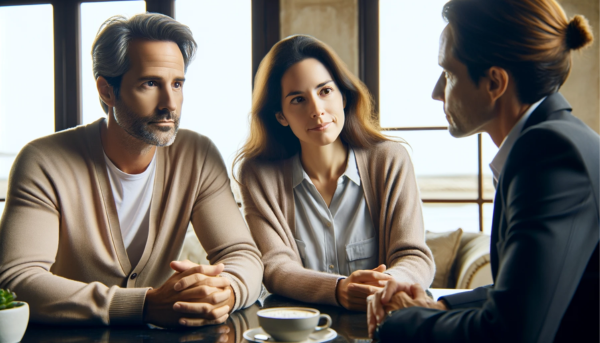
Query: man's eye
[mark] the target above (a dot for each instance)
(297, 100)
(150, 83)
(178, 85)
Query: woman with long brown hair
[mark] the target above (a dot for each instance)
(332, 204)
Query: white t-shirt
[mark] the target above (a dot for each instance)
(133, 195)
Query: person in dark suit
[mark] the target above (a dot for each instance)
(504, 62)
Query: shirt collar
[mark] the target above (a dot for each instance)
(299, 175)
(500, 158)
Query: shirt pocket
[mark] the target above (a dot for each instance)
(362, 255)
(301, 249)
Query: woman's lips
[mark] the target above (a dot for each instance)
(321, 127)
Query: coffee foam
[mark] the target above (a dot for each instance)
(288, 314)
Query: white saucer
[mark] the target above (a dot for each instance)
(317, 336)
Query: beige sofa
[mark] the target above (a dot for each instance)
(462, 259)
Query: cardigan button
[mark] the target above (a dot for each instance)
(133, 276)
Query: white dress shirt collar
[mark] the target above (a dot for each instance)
(508, 142)
(298, 173)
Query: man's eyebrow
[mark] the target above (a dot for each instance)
(152, 78)
(318, 86)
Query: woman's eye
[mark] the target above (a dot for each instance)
(297, 100)
(326, 91)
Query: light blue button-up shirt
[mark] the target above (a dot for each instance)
(338, 239)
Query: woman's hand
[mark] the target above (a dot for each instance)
(352, 292)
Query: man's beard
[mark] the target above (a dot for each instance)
(138, 126)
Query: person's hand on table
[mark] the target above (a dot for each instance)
(396, 296)
(353, 291)
(194, 296)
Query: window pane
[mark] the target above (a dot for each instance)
(93, 14)
(26, 80)
(449, 217)
(409, 34)
(446, 167)
(218, 86)
(488, 214)
(488, 153)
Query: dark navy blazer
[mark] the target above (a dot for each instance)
(544, 245)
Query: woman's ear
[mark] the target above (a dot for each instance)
(281, 119)
(106, 91)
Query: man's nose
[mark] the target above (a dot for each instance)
(168, 100)
(438, 89)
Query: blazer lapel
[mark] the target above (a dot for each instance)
(554, 103)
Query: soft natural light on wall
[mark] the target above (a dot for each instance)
(26, 81)
(218, 87)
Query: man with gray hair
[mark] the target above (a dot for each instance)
(95, 214)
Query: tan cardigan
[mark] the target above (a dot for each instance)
(61, 248)
(392, 196)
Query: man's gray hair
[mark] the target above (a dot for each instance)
(110, 48)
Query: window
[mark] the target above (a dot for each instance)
(93, 14)
(453, 174)
(26, 81)
(218, 86)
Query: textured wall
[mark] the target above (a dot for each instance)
(334, 22)
(582, 88)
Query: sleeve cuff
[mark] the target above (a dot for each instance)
(471, 299)
(127, 306)
(237, 292)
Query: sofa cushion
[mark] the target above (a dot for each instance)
(473, 261)
(444, 246)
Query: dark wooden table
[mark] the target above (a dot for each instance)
(350, 326)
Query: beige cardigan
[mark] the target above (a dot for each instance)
(392, 196)
(61, 248)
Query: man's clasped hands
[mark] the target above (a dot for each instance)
(194, 295)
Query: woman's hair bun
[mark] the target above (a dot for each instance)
(579, 33)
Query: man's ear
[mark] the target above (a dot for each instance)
(106, 91)
(281, 119)
(498, 82)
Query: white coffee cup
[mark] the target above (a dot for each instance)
(291, 324)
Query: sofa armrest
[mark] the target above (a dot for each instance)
(472, 267)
